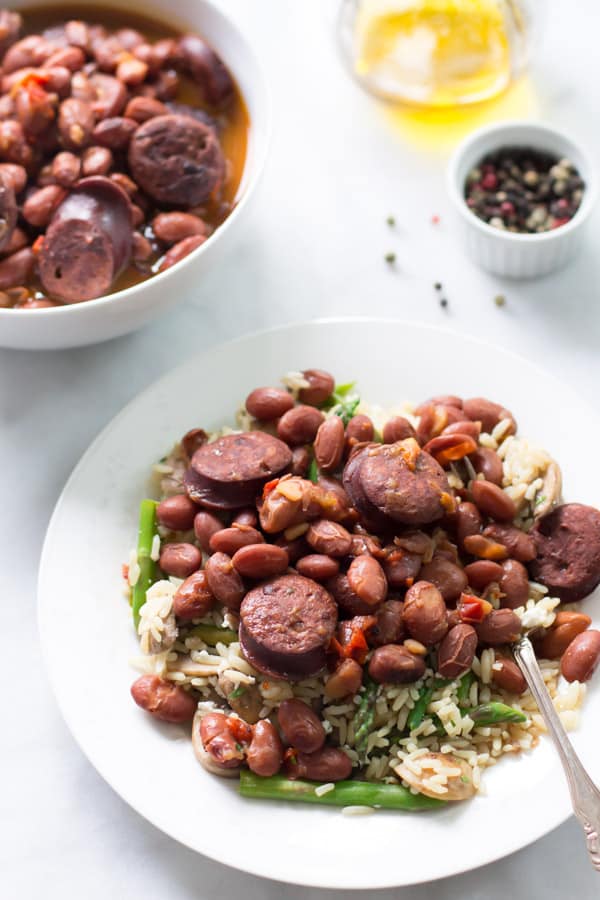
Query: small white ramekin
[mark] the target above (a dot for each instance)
(505, 252)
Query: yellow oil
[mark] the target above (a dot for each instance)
(435, 53)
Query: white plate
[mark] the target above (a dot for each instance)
(87, 635)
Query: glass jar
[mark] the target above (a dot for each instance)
(435, 53)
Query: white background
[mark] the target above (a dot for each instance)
(340, 164)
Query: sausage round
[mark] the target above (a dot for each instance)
(286, 626)
(568, 551)
(176, 160)
(230, 472)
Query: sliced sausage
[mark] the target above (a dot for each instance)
(176, 160)
(88, 242)
(568, 551)
(286, 626)
(230, 472)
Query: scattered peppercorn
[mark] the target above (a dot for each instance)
(500, 300)
(443, 302)
(435, 220)
(390, 258)
(523, 190)
(438, 285)
(390, 221)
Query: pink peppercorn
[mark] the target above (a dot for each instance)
(507, 208)
(489, 181)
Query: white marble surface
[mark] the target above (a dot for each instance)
(314, 246)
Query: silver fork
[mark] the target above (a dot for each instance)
(585, 796)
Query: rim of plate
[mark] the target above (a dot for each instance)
(562, 809)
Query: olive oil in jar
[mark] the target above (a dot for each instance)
(434, 52)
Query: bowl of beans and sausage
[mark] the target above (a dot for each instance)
(128, 149)
(327, 594)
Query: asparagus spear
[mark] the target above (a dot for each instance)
(212, 635)
(464, 688)
(493, 713)
(417, 713)
(313, 471)
(345, 793)
(148, 568)
(365, 714)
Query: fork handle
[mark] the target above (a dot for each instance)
(585, 796)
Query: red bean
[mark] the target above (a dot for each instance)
(565, 628)
(172, 227)
(448, 448)
(367, 579)
(401, 568)
(472, 429)
(176, 513)
(329, 538)
(230, 540)
(388, 627)
(394, 664)
(180, 559)
(299, 425)
(66, 169)
(318, 566)
(143, 108)
(132, 71)
(483, 572)
(267, 404)
(457, 651)
(163, 699)
(484, 547)
(519, 544)
(487, 462)
(39, 207)
(467, 521)
(493, 501)
(581, 657)
(424, 613)
(15, 175)
(205, 525)
(345, 681)
(320, 387)
(180, 250)
(72, 58)
(327, 764)
(224, 581)
(507, 675)
(261, 560)
(300, 461)
(141, 249)
(193, 599)
(447, 576)
(301, 727)
(359, 429)
(115, 132)
(17, 268)
(329, 444)
(488, 413)
(265, 753)
(514, 584)
(500, 626)
(245, 517)
(75, 123)
(397, 429)
(96, 161)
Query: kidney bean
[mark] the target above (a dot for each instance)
(66, 169)
(318, 566)
(367, 579)
(447, 448)
(483, 572)
(11, 24)
(327, 764)
(492, 501)
(166, 84)
(359, 429)
(365, 544)
(83, 89)
(13, 144)
(224, 581)
(172, 227)
(137, 217)
(442, 400)
(205, 525)
(39, 207)
(565, 628)
(467, 521)
(180, 250)
(394, 664)
(17, 268)
(345, 681)
(397, 429)
(265, 753)
(107, 52)
(14, 175)
(220, 747)
(487, 462)
(72, 58)
(125, 183)
(508, 676)
(424, 613)
(109, 96)
(299, 425)
(471, 429)
(457, 651)
(320, 387)
(143, 108)
(75, 123)
(31, 51)
(141, 249)
(267, 403)
(96, 161)
(132, 71)
(329, 444)
(176, 513)
(301, 727)
(484, 547)
(448, 577)
(329, 538)
(192, 440)
(44, 177)
(514, 584)
(129, 38)
(40, 303)
(500, 626)
(230, 540)
(488, 413)
(193, 599)
(260, 560)
(401, 568)
(17, 241)
(180, 559)
(163, 699)
(35, 109)
(167, 52)
(433, 418)
(581, 657)
(245, 517)
(519, 545)
(115, 132)
(77, 34)
(300, 461)
(388, 627)
(295, 549)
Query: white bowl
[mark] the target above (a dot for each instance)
(116, 314)
(504, 252)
